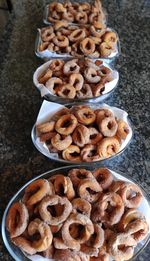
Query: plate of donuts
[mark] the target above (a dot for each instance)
(74, 12)
(82, 133)
(75, 80)
(64, 41)
(74, 213)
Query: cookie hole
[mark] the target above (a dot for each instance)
(76, 230)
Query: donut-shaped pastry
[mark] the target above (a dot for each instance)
(85, 229)
(95, 241)
(80, 135)
(117, 186)
(91, 76)
(61, 40)
(24, 244)
(89, 153)
(105, 49)
(77, 35)
(76, 50)
(81, 206)
(103, 177)
(52, 83)
(45, 127)
(85, 92)
(128, 217)
(64, 31)
(76, 80)
(131, 195)
(93, 16)
(87, 46)
(109, 209)
(71, 67)
(56, 65)
(108, 147)
(108, 126)
(61, 143)
(84, 7)
(46, 137)
(123, 129)
(121, 246)
(54, 200)
(36, 191)
(92, 185)
(102, 114)
(60, 8)
(47, 34)
(95, 136)
(85, 115)
(72, 153)
(55, 18)
(43, 46)
(63, 187)
(60, 24)
(138, 229)
(46, 75)
(17, 219)
(66, 124)
(98, 32)
(81, 17)
(98, 89)
(66, 91)
(110, 38)
(76, 175)
(96, 40)
(38, 226)
(60, 113)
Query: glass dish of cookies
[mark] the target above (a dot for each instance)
(75, 80)
(82, 133)
(75, 12)
(74, 213)
(62, 40)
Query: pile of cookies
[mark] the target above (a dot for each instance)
(74, 12)
(83, 216)
(78, 40)
(82, 134)
(76, 78)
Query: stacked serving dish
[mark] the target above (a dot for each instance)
(78, 75)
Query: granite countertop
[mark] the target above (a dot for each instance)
(20, 101)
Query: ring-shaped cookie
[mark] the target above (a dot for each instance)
(54, 200)
(66, 124)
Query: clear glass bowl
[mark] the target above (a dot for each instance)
(46, 11)
(52, 156)
(47, 55)
(18, 255)
(54, 98)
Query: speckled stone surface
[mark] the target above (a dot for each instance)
(20, 101)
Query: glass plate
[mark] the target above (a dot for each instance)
(54, 98)
(18, 255)
(54, 157)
